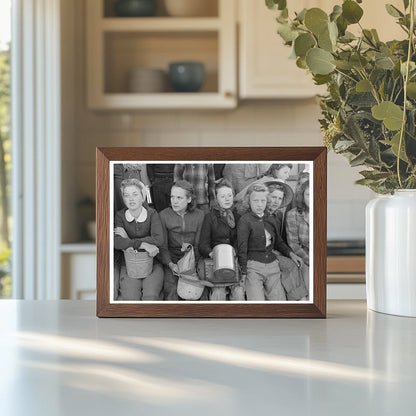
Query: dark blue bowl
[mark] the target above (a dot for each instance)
(186, 76)
(135, 8)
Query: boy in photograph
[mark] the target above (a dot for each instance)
(256, 240)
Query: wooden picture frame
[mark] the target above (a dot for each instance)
(314, 307)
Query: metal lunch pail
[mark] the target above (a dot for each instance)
(224, 264)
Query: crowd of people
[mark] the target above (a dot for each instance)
(165, 214)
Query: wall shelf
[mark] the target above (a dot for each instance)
(116, 46)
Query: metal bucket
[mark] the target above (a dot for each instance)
(224, 262)
(138, 263)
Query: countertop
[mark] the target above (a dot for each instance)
(57, 358)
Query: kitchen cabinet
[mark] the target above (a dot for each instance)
(265, 70)
(118, 45)
(78, 264)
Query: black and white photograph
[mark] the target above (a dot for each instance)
(216, 232)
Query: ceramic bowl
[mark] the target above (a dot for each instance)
(135, 8)
(186, 76)
(147, 80)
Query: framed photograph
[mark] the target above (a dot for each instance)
(211, 232)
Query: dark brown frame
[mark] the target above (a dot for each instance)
(317, 309)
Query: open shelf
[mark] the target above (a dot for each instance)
(118, 45)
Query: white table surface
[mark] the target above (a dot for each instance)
(57, 358)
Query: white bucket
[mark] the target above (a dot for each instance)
(138, 263)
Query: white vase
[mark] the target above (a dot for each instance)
(391, 253)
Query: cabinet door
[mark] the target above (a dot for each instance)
(265, 69)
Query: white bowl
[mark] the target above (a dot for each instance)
(191, 8)
(147, 80)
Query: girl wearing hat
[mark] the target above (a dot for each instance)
(220, 227)
(276, 172)
(138, 229)
(280, 195)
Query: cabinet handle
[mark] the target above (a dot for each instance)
(229, 94)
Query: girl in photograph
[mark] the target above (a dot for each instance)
(220, 227)
(302, 178)
(279, 196)
(297, 228)
(182, 223)
(256, 240)
(279, 171)
(138, 229)
(202, 179)
(276, 172)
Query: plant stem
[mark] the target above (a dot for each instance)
(406, 79)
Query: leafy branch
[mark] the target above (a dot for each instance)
(369, 112)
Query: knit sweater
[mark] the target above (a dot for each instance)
(178, 230)
(150, 231)
(251, 240)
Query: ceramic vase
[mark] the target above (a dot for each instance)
(391, 253)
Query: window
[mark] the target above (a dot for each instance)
(5, 147)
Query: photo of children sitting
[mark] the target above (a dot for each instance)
(211, 232)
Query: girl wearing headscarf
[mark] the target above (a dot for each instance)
(220, 227)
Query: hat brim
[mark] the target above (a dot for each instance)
(287, 191)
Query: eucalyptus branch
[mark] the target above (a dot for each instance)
(406, 79)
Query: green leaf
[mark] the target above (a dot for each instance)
(319, 61)
(336, 12)
(411, 90)
(342, 25)
(325, 42)
(391, 114)
(412, 67)
(344, 65)
(359, 160)
(368, 36)
(374, 175)
(375, 35)
(303, 43)
(301, 63)
(406, 4)
(276, 4)
(395, 141)
(333, 32)
(287, 33)
(384, 62)
(343, 145)
(358, 61)
(316, 20)
(351, 11)
(365, 182)
(301, 15)
(363, 86)
(321, 79)
(285, 13)
(393, 11)
(347, 37)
